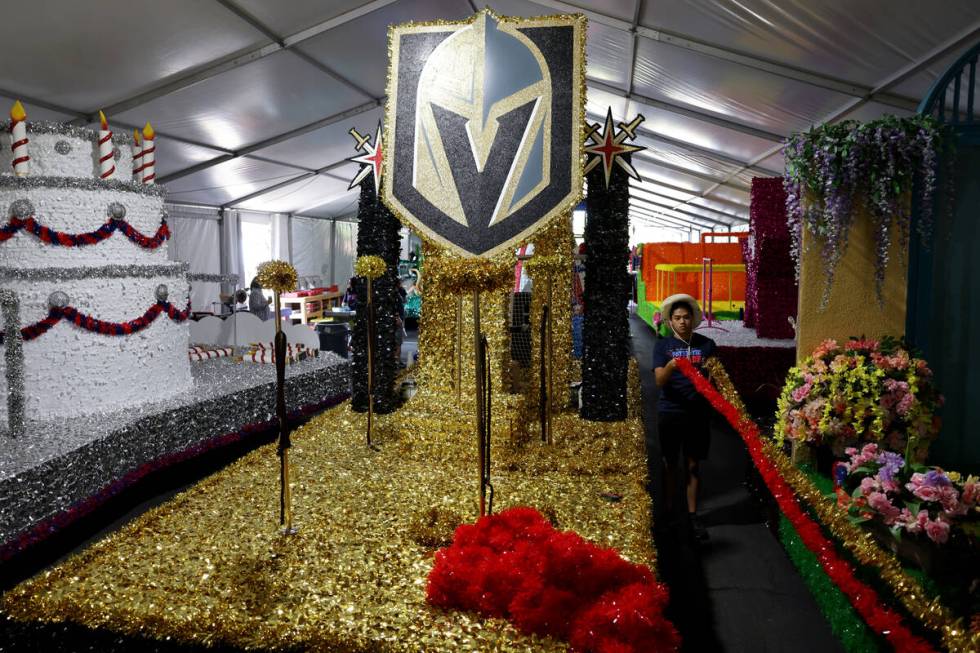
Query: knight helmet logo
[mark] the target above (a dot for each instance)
(484, 120)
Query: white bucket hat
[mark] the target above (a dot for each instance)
(668, 306)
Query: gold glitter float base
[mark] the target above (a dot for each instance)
(210, 567)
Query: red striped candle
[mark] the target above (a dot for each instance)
(18, 140)
(107, 164)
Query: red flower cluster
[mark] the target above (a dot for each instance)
(865, 600)
(549, 582)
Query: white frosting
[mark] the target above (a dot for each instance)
(69, 371)
(82, 159)
(77, 211)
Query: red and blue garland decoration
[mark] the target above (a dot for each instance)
(95, 325)
(63, 239)
(882, 619)
(548, 582)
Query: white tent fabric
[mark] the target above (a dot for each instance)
(194, 239)
(231, 251)
(253, 99)
(344, 253)
(312, 242)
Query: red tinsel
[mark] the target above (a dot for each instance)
(95, 325)
(548, 582)
(865, 600)
(65, 239)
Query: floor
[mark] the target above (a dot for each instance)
(738, 592)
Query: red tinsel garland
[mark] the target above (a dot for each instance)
(865, 600)
(548, 582)
(95, 325)
(64, 239)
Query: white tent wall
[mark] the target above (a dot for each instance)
(312, 244)
(195, 235)
(345, 251)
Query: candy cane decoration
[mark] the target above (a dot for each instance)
(149, 160)
(107, 164)
(18, 138)
(137, 150)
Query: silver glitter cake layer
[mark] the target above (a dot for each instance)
(13, 352)
(65, 129)
(81, 183)
(103, 272)
(57, 464)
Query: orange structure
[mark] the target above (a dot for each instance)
(690, 282)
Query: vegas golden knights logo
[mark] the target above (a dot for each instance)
(483, 132)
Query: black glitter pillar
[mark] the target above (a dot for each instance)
(605, 333)
(377, 235)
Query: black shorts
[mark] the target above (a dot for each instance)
(682, 430)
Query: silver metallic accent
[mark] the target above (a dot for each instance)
(81, 183)
(14, 360)
(103, 272)
(21, 208)
(58, 299)
(162, 292)
(117, 211)
(62, 147)
(65, 129)
(213, 278)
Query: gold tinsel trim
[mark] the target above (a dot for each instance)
(434, 528)
(464, 276)
(931, 613)
(547, 265)
(371, 267)
(279, 276)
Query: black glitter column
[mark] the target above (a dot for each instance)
(377, 235)
(605, 333)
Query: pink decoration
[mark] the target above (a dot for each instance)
(772, 274)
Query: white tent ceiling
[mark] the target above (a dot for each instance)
(252, 99)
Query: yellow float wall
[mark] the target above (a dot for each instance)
(853, 309)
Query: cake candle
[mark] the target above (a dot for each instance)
(149, 159)
(137, 151)
(107, 163)
(18, 139)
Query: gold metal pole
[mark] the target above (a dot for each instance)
(549, 349)
(459, 350)
(286, 497)
(370, 362)
(478, 390)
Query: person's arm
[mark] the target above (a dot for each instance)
(662, 374)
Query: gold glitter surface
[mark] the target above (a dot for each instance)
(279, 276)
(370, 267)
(860, 543)
(555, 244)
(210, 567)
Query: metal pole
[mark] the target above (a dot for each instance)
(459, 350)
(478, 395)
(550, 350)
(285, 494)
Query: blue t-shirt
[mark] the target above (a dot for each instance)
(679, 395)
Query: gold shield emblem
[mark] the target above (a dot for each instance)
(484, 127)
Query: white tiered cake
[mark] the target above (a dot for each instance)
(73, 369)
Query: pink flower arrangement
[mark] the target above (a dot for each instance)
(861, 391)
(909, 497)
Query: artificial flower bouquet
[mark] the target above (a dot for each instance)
(861, 391)
(908, 497)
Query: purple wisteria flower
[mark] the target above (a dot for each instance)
(891, 463)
